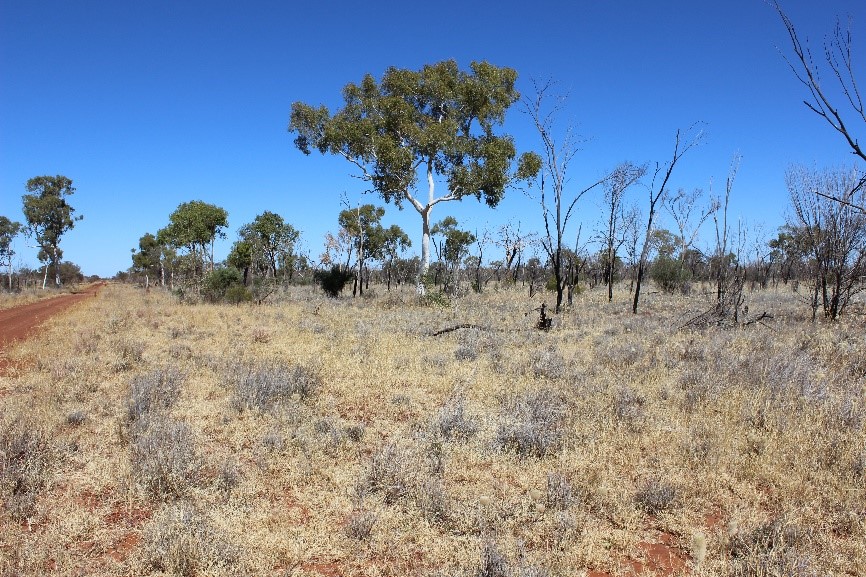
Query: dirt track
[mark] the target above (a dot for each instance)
(20, 322)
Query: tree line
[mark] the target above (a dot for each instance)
(434, 136)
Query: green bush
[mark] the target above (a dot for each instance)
(669, 274)
(333, 281)
(218, 282)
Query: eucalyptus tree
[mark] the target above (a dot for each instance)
(9, 229)
(453, 247)
(834, 233)
(49, 216)
(148, 259)
(416, 127)
(363, 225)
(274, 239)
(394, 241)
(195, 226)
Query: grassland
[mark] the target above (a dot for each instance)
(320, 437)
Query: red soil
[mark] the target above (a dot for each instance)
(18, 323)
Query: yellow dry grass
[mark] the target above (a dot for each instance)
(746, 446)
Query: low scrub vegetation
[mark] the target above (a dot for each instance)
(315, 436)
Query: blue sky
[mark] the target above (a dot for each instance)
(146, 105)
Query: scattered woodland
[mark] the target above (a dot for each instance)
(546, 402)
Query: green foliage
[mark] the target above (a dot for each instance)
(267, 244)
(439, 119)
(218, 282)
(333, 281)
(194, 225)
(669, 274)
(237, 294)
(48, 215)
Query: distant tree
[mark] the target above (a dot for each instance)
(620, 180)
(681, 207)
(195, 227)
(838, 52)
(8, 231)
(657, 191)
(452, 248)
(789, 250)
(362, 224)
(394, 242)
(148, 259)
(276, 240)
(49, 217)
(241, 258)
(436, 122)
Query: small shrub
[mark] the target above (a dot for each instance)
(388, 474)
(164, 459)
(152, 393)
(217, 283)
(76, 418)
(775, 548)
(237, 294)
(655, 497)
(548, 364)
(180, 541)
(265, 385)
(533, 424)
(360, 525)
(26, 458)
(559, 491)
(493, 563)
(453, 423)
(628, 407)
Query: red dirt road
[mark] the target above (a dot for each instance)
(20, 322)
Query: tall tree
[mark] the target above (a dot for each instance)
(838, 61)
(9, 229)
(49, 217)
(436, 123)
(453, 247)
(620, 180)
(661, 175)
(554, 162)
(274, 237)
(195, 226)
(394, 241)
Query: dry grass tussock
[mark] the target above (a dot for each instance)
(27, 296)
(311, 437)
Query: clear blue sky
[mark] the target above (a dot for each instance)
(146, 105)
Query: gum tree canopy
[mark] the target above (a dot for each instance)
(416, 128)
(49, 216)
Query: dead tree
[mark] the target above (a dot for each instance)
(556, 208)
(838, 60)
(682, 144)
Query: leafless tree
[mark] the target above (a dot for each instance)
(513, 244)
(723, 264)
(835, 233)
(615, 187)
(838, 60)
(683, 142)
(682, 207)
(556, 207)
